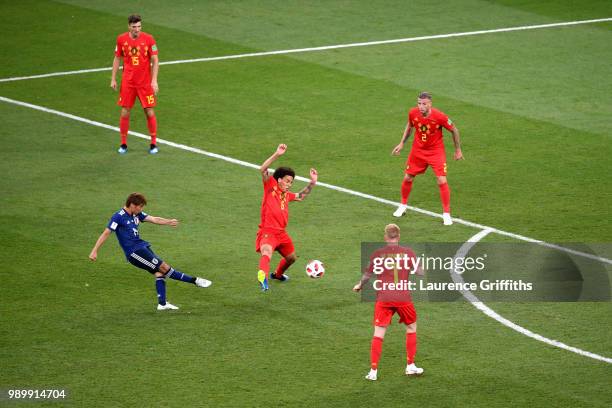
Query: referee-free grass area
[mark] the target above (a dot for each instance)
(92, 327)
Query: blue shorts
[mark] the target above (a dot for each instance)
(145, 259)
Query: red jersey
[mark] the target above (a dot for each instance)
(392, 296)
(275, 206)
(428, 130)
(136, 55)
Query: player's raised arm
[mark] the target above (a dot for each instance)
(161, 221)
(314, 176)
(280, 150)
(397, 149)
(457, 142)
(93, 255)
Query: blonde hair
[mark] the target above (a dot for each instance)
(392, 231)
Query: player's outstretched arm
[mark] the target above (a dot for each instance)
(161, 221)
(314, 176)
(280, 150)
(93, 255)
(397, 149)
(457, 143)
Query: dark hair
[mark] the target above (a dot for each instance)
(425, 95)
(134, 18)
(282, 172)
(136, 199)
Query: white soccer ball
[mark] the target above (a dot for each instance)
(315, 269)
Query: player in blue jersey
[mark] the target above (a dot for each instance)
(138, 252)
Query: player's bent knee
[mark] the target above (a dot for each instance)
(164, 268)
(291, 258)
(411, 328)
(266, 250)
(442, 180)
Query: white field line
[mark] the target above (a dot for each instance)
(328, 47)
(457, 278)
(321, 184)
(461, 253)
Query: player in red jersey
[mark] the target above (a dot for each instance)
(140, 66)
(391, 300)
(274, 217)
(427, 150)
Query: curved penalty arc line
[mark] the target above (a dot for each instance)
(469, 296)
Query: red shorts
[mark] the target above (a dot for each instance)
(127, 96)
(384, 311)
(418, 160)
(279, 241)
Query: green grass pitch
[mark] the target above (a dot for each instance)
(533, 108)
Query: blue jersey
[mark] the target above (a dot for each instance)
(126, 227)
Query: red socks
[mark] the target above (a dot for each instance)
(124, 126)
(445, 197)
(152, 125)
(406, 187)
(375, 351)
(411, 347)
(281, 268)
(264, 264)
(444, 194)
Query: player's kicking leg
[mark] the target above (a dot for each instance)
(145, 258)
(287, 251)
(166, 271)
(172, 273)
(283, 265)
